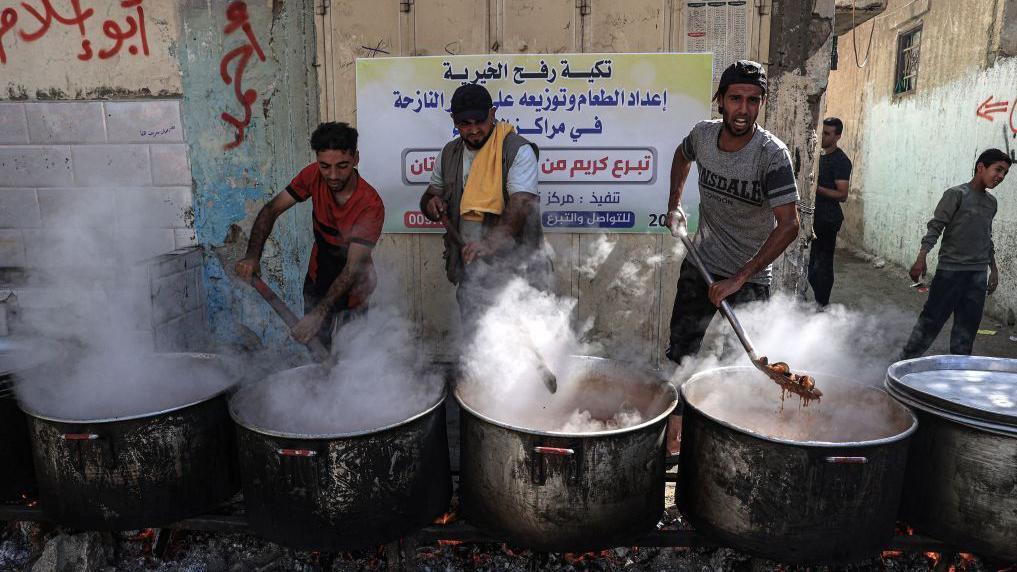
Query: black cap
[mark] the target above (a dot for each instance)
(471, 102)
(744, 71)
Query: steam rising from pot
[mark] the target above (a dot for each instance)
(109, 385)
(380, 379)
(93, 297)
(846, 351)
(500, 376)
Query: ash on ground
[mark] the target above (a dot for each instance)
(39, 547)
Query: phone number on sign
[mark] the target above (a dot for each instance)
(416, 219)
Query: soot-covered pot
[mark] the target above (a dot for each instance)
(139, 469)
(548, 487)
(341, 490)
(961, 483)
(820, 483)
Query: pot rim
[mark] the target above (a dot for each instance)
(675, 400)
(946, 416)
(969, 415)
(817, 444)
(237, 418)
(201, 355)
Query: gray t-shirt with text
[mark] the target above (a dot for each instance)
(737, 194)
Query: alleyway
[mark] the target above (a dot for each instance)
(860, 286)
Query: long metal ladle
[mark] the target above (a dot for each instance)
(802, 386)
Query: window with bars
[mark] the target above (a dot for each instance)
(906, 78)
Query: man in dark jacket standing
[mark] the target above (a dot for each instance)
(832, 190)
(964, 218)
(484, 189)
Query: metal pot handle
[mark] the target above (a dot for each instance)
(79, 436)
(296, 452)
(847, 460)
(569, 459)
(554, 451)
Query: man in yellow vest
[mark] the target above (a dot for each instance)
(484, 189)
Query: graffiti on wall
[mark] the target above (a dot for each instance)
(35, 20)
(237, 18)
(989, 108)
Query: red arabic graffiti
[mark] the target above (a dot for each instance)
(45, 18)
(237, 16)
(988, 107)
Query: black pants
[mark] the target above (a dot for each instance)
(957, 292)
(312, 296)
(693, 310)
(821, 259)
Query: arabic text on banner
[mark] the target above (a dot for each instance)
(607, 126)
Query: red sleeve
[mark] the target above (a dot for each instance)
(300, 187)
(367, 228)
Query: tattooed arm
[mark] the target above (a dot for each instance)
(251, 263)
(309, 325)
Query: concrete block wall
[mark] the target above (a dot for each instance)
(156, 304)
(87, 190)
(174, 311)
(117, 171)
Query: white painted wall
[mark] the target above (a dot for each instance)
(86, 185)
(125, 162)
(918, 146)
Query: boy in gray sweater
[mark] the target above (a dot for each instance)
(964, 218)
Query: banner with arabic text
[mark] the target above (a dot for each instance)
(607, 126)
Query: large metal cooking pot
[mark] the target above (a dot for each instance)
(137, 471)
(343, 490)
(961, 483)
(820, 483)
(569, 491)
(18, 356)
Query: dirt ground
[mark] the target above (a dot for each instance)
(861, 286)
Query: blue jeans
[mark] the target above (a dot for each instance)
(957, 292)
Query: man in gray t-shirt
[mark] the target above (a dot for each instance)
(747, 210)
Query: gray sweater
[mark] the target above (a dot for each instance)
(964, 218)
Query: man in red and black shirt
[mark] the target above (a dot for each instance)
(348, 217)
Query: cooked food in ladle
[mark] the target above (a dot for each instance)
(803, 386)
